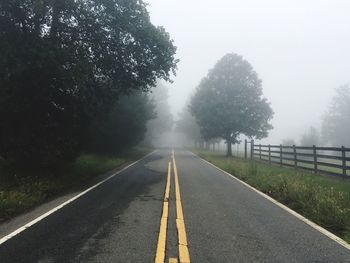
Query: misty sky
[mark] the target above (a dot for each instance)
(300, 50)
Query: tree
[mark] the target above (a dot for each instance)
(126, 124)
(288, 142)
(188, 126)
(336, 121)
(163, 122)
(228, 102)
(63, 64)
(311, 137)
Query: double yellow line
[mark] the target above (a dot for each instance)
(184, 255)
(160, 255)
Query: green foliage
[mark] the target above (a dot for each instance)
(323, 200)
(336, 121)
(64, 63)
(228, 102)
(125, 126)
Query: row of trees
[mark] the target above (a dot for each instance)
(125, 125)
(188, 126)
(336, 121)
(73, 76)
(163, 123)
(335, 127)
(227, 103)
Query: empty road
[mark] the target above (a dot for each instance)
(171, 207)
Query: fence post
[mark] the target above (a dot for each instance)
(269, 153)
(295, 157)
(245, 149)
(260, 151)
(315, 158)
(252, 149)
(343, 155)
(281, 154)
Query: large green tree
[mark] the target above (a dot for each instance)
(63, 64)
(228, 102)
(336, 121)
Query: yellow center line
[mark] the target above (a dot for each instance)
(184, 254)
(160, 254)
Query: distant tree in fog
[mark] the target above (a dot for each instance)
(336, 121)
(228, 102)
(311, 137)
(163, 122)
(288, 142)
(188, 126)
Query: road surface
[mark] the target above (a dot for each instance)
(207, 217)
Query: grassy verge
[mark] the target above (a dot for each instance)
(325, 201)
(21, 190)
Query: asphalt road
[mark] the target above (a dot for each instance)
(119, 221)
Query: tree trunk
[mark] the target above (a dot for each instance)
(229, 147)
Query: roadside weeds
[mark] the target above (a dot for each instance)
(22, 190)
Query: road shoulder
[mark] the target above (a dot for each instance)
(320, 229)
(16, 222)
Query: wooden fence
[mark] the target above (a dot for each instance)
(330, 160)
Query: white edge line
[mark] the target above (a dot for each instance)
(297, 215)
(36, 220)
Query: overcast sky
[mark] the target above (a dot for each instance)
(300, 49)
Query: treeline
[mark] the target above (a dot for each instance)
(74, 76)
(335, 123)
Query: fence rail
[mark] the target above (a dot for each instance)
(330, 160)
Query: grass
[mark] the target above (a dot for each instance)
(324, 200)
(21, 189)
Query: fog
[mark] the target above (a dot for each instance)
(300, 50)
